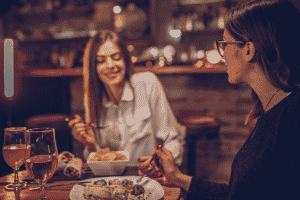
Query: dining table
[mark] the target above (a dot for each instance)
(65, 185)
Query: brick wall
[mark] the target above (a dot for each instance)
(207, 95)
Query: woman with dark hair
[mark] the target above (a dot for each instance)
(123, 111)
(261, 48)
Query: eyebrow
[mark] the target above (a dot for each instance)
(110, 55)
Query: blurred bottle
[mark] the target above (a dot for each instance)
(54, 56)
(221, 20)
(214, 18)
(78, 58)
(188, 23)
(193, 53)
(198, 23)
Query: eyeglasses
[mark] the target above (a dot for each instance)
(222, 44)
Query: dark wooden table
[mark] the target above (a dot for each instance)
(63, 192)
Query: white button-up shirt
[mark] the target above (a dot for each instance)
(142, 117)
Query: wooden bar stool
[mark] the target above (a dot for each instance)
(197, 127)
(62, 130)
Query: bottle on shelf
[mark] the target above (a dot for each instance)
(198, 23)
(213, 22)
(54, 56)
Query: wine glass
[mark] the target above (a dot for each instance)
(14, 150)
(42, 161)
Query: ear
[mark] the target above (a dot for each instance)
(249, 52)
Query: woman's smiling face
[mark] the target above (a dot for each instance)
(110, 64)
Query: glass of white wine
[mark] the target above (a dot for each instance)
(42, 161)
(14, 153)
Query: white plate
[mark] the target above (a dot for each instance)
(153, 187)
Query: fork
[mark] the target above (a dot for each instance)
(48, 186)
(140, 179)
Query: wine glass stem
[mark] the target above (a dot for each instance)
(42, 190)
(16, 181)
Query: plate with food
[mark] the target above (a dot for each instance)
(117, 188)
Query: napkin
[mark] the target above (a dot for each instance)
(73, 168)
(63, 159)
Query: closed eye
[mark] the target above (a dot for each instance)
(116, 56)
(102, 59)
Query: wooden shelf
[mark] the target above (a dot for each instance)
(183, 69)
(219, 68)
(54, 72)
(206, 31)
(145, 42)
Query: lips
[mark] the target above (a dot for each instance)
(112, 75)
(113, 72)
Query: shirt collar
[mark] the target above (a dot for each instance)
(126, 96)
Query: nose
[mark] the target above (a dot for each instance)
(110, 62)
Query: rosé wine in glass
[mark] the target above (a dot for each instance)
(14, 152)
(42, 160)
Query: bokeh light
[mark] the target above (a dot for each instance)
(169, 51)
(169, 60)
(119, 22)
(200, 54)
(117, 9)
(130, 48)
(174, 34)
(184, 57)
(154, 52)
(133, 59)
(213, 56)
(199, 64)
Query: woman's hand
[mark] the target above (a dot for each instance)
(149, 167)
(161, 164)
(167, 164)
(164, 163)
(83, 132)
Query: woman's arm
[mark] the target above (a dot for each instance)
(164, 123)
(84, 134)
(183, 181)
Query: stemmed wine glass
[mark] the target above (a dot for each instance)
(14, 150)
(42, 161)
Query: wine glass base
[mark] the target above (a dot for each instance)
(12, 186)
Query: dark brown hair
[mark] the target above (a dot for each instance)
(272, 27)
(96, 83)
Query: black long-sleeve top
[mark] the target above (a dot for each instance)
(268, 164)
